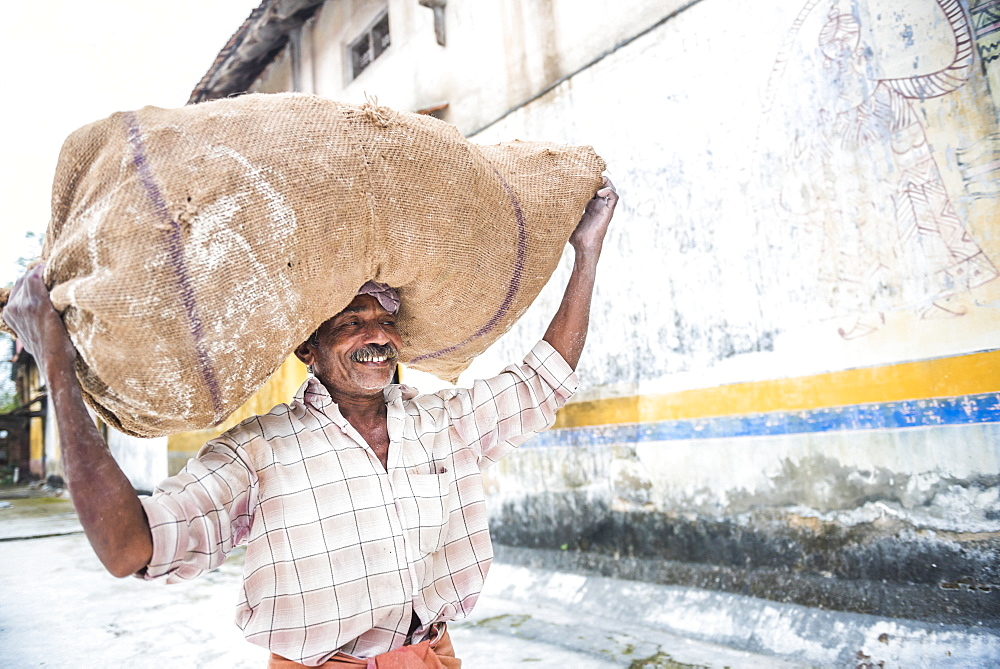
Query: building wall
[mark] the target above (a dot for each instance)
(791, 384)
(36, 464)
(29, 388)
(53, 455)
(144, 461)
(499, 53)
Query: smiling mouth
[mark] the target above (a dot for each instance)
(375, 355)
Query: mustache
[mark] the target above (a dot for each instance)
(374, 352)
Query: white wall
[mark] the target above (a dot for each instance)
(499, 53)
(144, 461)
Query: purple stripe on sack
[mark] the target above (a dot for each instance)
(515, 279)
(175, 250)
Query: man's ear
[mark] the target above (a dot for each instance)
(305, 353)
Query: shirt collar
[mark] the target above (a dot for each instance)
(313, 393)
(398, 392)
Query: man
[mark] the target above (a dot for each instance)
(361, 503)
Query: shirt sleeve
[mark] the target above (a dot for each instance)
(198, 516)
(499, 414)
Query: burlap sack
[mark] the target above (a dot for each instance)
(190, 250)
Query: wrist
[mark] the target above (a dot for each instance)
(56, 346)
(587, 255)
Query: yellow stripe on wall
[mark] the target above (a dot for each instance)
(941, 377)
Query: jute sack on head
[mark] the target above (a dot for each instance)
(191, 250)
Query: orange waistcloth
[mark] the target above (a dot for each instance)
(430, 654)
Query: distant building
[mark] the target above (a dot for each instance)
(35, 446)
(23, 442)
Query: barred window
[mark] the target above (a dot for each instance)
(370, 45)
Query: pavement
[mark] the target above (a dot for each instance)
(58, 607)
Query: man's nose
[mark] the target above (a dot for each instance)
(375, 333)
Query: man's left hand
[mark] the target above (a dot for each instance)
(590, 231)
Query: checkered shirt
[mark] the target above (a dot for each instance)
(340, 552)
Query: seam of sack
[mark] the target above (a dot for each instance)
(514, 286)
(175, 251)
(369, 195)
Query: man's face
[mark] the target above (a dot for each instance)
(355, 351)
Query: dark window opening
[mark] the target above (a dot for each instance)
(370, 45)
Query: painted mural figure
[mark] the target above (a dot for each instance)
(889, 235)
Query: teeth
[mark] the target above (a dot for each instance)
(367, 356)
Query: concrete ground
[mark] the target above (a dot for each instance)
(59, 608)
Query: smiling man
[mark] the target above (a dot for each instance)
(361, 502)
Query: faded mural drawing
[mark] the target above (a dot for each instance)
(979, 163)
(986, 23)
(857, 199)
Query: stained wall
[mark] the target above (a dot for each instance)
(790, 387)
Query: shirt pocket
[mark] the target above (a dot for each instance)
(431, 496)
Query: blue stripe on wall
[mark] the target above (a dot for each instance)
(965, 410)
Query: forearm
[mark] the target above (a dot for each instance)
(108, 507)
(567, 333)
(105, 501)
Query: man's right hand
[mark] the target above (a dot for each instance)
(29, 313)
(105, 501)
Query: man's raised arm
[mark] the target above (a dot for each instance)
(567, 332)
(105, 501)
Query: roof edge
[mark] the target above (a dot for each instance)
(252, 48)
